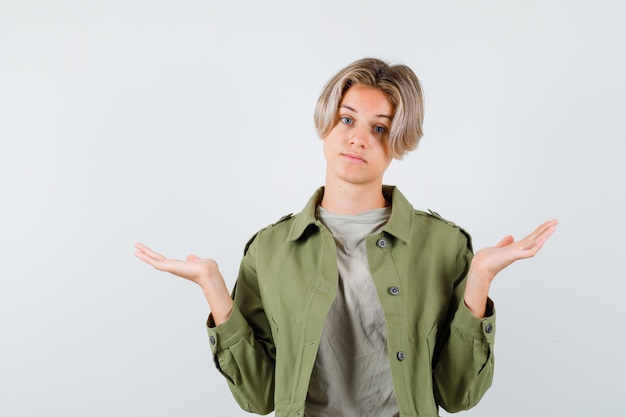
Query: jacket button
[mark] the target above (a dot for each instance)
(488, 328)
(393, 290)
(211, 340)
(400, 356)
(381, 243)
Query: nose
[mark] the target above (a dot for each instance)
(359, 135)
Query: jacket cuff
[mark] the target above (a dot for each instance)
(471, 326)
(228, 333)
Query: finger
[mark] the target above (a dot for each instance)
(141, 246)
(192, 258)
(538, 236)
(173, 266)
(542, 228)
(149, 252)
(545, 234)
(505, 241)
(149, 259)
(154, 259)
(533, 245)
(144, 257)
(544, 231)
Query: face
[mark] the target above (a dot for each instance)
(357, 149)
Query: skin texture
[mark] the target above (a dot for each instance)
(357, 152)
(357, 156)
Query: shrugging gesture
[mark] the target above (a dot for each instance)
(307, 301)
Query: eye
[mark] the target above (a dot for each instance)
(346, 120)
(380, 129)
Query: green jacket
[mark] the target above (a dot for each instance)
(440, 354)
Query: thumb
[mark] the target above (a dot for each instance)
(192, 258)
(506, 241)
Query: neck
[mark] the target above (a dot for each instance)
(352, 199)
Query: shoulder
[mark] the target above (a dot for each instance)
(441, 225)
(278, 227)
(435, 217)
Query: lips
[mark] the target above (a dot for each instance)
(355, 157)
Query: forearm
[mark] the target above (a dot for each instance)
(477, 291)
(218, 297)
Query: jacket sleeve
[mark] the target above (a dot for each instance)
(243, 347)
(463, 368)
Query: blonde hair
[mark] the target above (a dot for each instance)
(400, 84)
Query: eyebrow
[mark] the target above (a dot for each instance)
(356, 111)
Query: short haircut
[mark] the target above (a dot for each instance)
(400, 84)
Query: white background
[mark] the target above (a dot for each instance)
(187, 125)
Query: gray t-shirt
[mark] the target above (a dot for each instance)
(351, 376)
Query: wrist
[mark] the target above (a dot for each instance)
(218, 297)
(477, 292)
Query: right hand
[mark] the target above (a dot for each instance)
(194, 268)
(203, 272)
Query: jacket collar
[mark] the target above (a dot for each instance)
(400, 223)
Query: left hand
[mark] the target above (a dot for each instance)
(488, 262)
